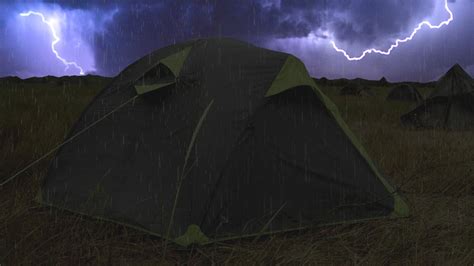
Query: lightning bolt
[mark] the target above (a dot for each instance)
(398, 41)
(56, 39)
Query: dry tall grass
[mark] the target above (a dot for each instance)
(435, 170)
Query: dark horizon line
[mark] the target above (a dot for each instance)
(317, 78)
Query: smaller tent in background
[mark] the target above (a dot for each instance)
(356, 90)
(455, 82)
(450, 105)
(383, 81)
(404, 92)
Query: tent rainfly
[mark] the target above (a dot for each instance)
(404, 92)
(216, 139)
(450, 105)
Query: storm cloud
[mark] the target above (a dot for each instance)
(304, 27)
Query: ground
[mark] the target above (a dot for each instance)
(434, 169)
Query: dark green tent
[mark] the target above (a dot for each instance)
(450, 105)
(404, 92)
(220, 139)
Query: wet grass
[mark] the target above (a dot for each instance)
(435, 170)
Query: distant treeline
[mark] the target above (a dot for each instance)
(81, 80)
(366, 82)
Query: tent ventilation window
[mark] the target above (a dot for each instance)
(158, 74)
(158, 77)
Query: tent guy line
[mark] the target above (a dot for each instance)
(398, 41)
(56, 39)
(65, 142)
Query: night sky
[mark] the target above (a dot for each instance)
(104, 36)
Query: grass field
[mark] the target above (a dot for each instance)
(433, 168)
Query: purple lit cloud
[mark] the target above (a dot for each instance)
(29, 40)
